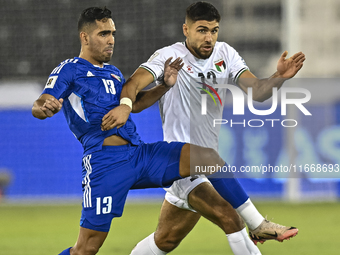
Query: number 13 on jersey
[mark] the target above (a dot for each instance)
(104, 206)
(109, 86)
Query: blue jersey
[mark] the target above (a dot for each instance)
(89, 92)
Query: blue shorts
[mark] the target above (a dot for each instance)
(109, 174)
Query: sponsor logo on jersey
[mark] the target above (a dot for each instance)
(220, 65)
(51, 81)
(189, 69)
(209, 93)
(89, 74)
(116, 77)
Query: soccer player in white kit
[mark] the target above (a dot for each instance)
(204, 58)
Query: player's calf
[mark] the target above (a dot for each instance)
(205, 200)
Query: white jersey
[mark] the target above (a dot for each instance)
(180, 107)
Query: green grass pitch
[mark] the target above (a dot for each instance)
(48, 229)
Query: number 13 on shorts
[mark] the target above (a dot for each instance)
(104, 206)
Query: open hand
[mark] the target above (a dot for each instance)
(171, 71)
(287, 68)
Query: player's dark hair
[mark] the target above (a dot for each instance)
(90, 15)
(202, 11)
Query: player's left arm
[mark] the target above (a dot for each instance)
(141, 100)
(262, 88)
(146, 98)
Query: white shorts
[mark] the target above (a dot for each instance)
(177, 194)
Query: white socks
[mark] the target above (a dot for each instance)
(147, 247)
(250, 214)
(241, 244)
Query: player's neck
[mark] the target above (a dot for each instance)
(88, 58)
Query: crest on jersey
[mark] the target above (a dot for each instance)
(220, 65)
(116, 77)
(51, 81)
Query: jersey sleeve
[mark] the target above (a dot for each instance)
(155, 64)
(60, 80)
(237, 64)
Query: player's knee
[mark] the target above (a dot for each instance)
(210, 156)
(210, 153)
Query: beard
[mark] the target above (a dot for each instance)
(203, 55)
(101, 55)
(107, 58)
(102, 58)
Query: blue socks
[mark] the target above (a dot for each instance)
(229, 188)
(66, 252)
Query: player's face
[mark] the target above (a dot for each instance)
(201, 37)
(101, 41)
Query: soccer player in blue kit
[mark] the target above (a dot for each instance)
(114, 159)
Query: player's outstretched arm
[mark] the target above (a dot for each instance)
(118, 116)
(46, 106)
(262, 88)
(146, 98)
(288, 68)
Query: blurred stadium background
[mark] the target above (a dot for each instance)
(41, 160)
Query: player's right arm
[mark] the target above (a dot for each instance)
(118, 116)
(262, 88)
(46, 106)
(51, 99)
